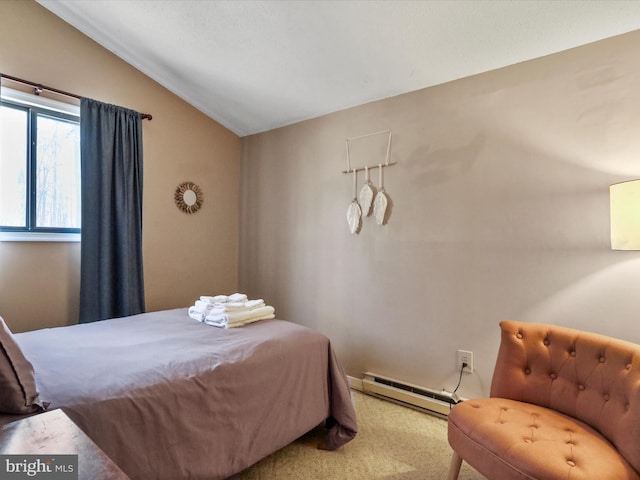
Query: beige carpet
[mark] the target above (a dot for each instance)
(393, 442)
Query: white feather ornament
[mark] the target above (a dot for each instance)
(380, 202)
(366, 195)
(354, 213)
(380, 207)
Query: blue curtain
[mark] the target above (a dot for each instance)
(111, 274)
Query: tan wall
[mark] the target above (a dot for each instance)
(184, 255)
(499, 210)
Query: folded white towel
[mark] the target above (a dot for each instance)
(239, 306)
(215, 299)
(251, 320)
(217, 320)
(242, 315)
(204, 306)
(216, 311)
(228, 319)
(237, 297)
(197, 314)
(222, 323)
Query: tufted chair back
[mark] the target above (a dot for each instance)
(590, 377)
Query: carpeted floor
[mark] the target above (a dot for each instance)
(393, 442)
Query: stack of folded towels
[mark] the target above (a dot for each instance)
(228, 311)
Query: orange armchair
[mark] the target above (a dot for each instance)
(564, 404)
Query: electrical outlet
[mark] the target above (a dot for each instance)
(465, 356)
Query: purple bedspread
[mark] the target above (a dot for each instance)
(167, 397)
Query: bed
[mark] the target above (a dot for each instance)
(167, 397)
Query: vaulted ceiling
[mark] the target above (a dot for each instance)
(255, 65)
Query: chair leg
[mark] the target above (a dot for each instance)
(454, 466)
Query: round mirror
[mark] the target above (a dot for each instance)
(188, 197)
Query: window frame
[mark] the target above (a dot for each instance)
(36, 105)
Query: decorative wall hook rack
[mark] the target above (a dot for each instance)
(351, 169)
(366, 199)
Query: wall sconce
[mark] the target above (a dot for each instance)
(625, 215)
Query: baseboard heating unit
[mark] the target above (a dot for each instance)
(431, 401)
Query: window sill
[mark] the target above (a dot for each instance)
(39, 237)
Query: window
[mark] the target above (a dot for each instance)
(39, 168)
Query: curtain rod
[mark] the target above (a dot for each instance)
(38, 88)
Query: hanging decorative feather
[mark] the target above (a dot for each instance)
(381, 201)
(366, 195)
(354, 213)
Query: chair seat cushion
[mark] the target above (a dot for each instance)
(506, 439)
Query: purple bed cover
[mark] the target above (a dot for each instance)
(167, 397)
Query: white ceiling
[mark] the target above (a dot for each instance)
(255, 65)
